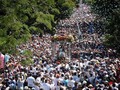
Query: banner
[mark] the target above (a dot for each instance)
(1, 60)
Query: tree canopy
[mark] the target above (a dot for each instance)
(21, 18)
(109, 11)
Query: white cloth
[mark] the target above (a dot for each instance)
(52, 87)
(34, 70)
(45, 86)
(75, 78)
(71, 83)
(36, 87)
(38, 79)
(55, 81)
(57, 88)
(31, 81)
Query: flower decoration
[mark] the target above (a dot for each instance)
(68, 38)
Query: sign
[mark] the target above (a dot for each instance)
(1, 60)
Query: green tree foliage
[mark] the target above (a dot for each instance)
(21, 18)
(110, 11)
(88, 1)
(65, 7)
(12, 30)
(26, 62)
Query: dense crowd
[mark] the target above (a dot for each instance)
(92, 66)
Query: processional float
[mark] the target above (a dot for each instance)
(63, 52)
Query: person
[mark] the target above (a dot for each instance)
(45, 85)
(70, 83)
(65, 81)
(26, 88)
(50, 82)
(20, 83)
(37, 85)
(12, 86)
(58, 86)
(79, 86)
(90, 86)
(84, 75)
(114, 87)
(30, 81)
(7, 57)
(75, 86)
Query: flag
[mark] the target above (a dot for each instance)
(1, 60)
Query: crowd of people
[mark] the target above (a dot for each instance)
(91, 67)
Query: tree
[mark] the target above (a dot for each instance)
(110, 11)
(65, 7)
(21, 18)
(12, 30)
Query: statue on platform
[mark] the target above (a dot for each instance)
(61, 53)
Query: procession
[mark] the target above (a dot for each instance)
(74, 58)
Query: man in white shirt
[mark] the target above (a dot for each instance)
(34, 70)
(75, 76)
(67, 66)
(45, 85)
(71, 83)
(37, 85)
(51, 85)
(31, 81)
(56, 79)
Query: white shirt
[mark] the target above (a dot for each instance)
(45, 86)
(52, 87)
(34, 70)
(61, 79)
(55, 81)
(38, 79)
(36, 87)
(71, 83)
(57, 87)
(67, 66)
(59, 66)
(31, 81)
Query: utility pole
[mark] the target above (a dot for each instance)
(81, 1)
(80, 37)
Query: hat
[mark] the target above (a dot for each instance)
(79, 84)
(21, 88)
(106, 58)
(102, 85)
(97, 57)
(26, 88)
(106, 81)
(33, 88)
(106, 75)
(90, 86)
(105, 72)
(37, 83)
(84, 82)
(1, 85)
(7, 88)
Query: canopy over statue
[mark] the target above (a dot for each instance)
(68, 38)
(62, 51)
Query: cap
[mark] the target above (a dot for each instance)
(26, 88)
(84, 82)
(90, 85)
